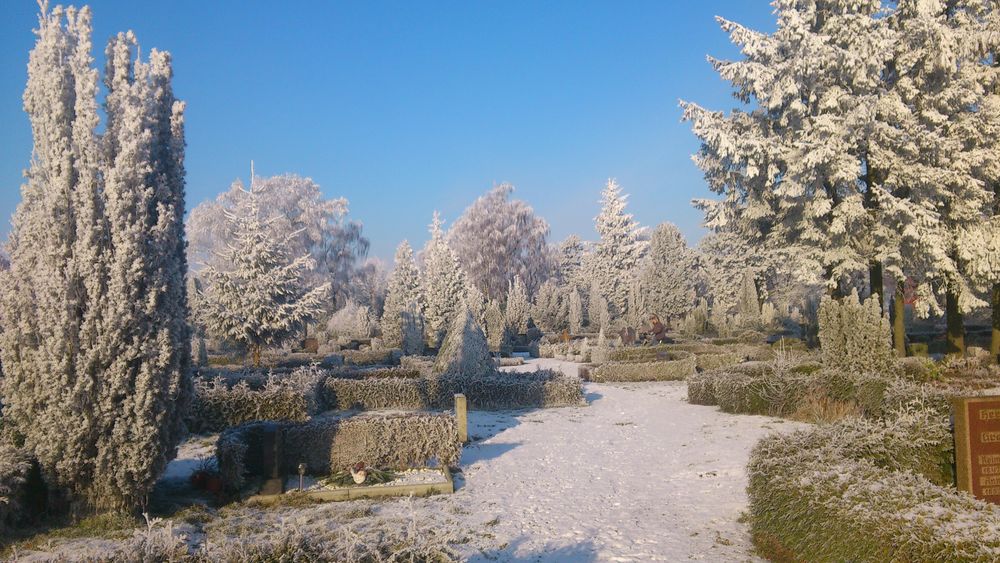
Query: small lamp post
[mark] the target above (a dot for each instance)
(302, 474)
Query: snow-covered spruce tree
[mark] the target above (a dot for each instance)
(550, 307)
(442, 284)
(569, 256)
(593, 298)
(475, 301)
(669, 274)
(295, 209)
(413, 330)
(95, 339)
(616, 256)
(854, 336)
(404, 288)
(465, 352)
(517, 309)
(806, 165)
(261, 298)
(497, 238)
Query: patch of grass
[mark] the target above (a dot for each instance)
(112, 525)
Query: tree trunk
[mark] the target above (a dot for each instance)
(876, 281)
(995, 339)
(898, 314)
(956, 329)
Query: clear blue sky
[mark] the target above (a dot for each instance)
(407, 107)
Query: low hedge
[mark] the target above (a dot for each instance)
(678, 366)
(397, 441)
(218, 406)
(864, 490)
(423, 364)
(387, 357)
(501, 391)
(706, 362)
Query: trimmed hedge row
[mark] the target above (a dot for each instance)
(502, 391)
(397, 441)
(863, 490)
(217, 405)
(677, 366)
(388, 357)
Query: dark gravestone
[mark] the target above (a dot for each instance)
(977, 446)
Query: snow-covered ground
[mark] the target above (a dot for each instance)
(638, 475)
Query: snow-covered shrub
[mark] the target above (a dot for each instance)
(863, 490)
(758, 388)
(218, 406)
(511, 362)
(675, 366)
(385, 357)
(855, 336)
(465, 352)
(498, 333)
(701, 389)
(707, 362)
(350, 322)
(14, 466)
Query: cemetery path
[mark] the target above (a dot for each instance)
(638, 475)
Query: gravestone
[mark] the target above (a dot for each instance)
(977, 446)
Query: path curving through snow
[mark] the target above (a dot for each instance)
(638, 475)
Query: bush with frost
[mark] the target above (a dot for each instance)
(855, 336)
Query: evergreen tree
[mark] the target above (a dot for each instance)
(442, 283)
(497, 331)
(670, 274)
(575, 312)
(95, 343)
(749, 304)
(617, 254)
(261, 299)
(517, 309)
(464, 352)
(404, 289)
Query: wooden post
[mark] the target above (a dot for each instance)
(462, 414)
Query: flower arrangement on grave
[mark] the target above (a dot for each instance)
(360, 474)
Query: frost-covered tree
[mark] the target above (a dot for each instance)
(442, 283)
(749, 303)
(498, 238)
(855, 336)
(570, 261)
(475, 301)
(95, 343)
(551, 307)
(670, 274)
(261, 298)
(616, 256)
(497, 331)
(517, 308)
(575, 313)
(464, 352)
(413, 330)
(368, 285)
(294, 209)
(403, 289)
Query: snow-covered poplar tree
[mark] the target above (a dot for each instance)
(616, 256)
(442, 283)
(404, 289)
(670, 274)
(517, 308)
(497, 238)
(261, 298)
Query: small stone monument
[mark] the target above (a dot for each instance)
(977, 446)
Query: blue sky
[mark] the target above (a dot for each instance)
(408, 107)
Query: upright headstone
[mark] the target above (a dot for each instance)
(977, 446)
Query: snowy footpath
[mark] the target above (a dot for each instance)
(638, 475)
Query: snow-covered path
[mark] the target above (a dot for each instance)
(638, 475)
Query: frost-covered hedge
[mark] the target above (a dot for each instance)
(864, 490)
(500, 391)
(219, 405)
(398, 440)
(677, 366)
(423, 364)
(377, 373)
(706, 362)
(388, 357)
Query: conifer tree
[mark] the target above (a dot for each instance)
(616, 256)
(404, 289)
(442, 283)
(749, 304)
(261, 299)
(670, 274)
(464, 352)
(575, 312)
(517, 310)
